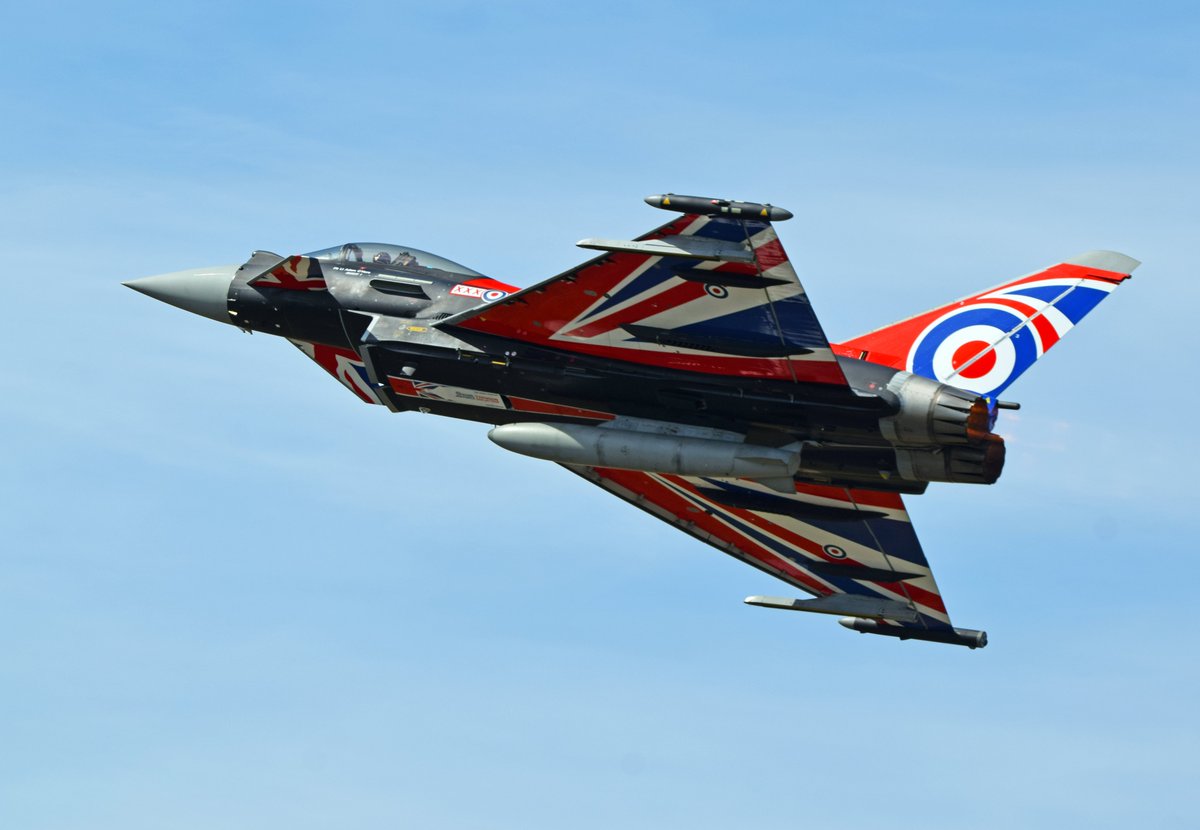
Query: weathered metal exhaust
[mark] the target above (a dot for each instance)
(963, 463)
(978, 464)
(933, 413)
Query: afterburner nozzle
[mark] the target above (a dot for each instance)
(203, 291)
(979, 422)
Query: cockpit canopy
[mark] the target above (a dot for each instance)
(378, 256)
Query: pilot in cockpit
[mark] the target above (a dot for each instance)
(382, 258)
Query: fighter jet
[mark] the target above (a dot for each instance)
(686, 372)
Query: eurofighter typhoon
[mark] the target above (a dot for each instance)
(686, 372)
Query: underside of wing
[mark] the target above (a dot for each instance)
(706, 294)
(854, 550)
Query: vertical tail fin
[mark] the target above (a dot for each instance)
(986, 341)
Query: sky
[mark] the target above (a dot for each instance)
(232, 595)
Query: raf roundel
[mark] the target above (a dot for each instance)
(986, 342)
(970, 347)
(718, 291)
(981, 346)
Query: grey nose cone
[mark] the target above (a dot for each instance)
(203, 291)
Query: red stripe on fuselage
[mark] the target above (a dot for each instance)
(491, 285)
(528, 405)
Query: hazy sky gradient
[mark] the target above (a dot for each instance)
(233, 596)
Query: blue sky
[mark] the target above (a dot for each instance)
(233, 596)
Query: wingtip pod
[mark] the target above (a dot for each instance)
(706, 206)
(1111, 261)
(968, 637)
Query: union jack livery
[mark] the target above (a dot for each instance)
(686, 373)
(294, 273)
(744, 314)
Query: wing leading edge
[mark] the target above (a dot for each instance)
(854, 550)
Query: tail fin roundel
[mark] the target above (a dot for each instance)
(986, 341)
